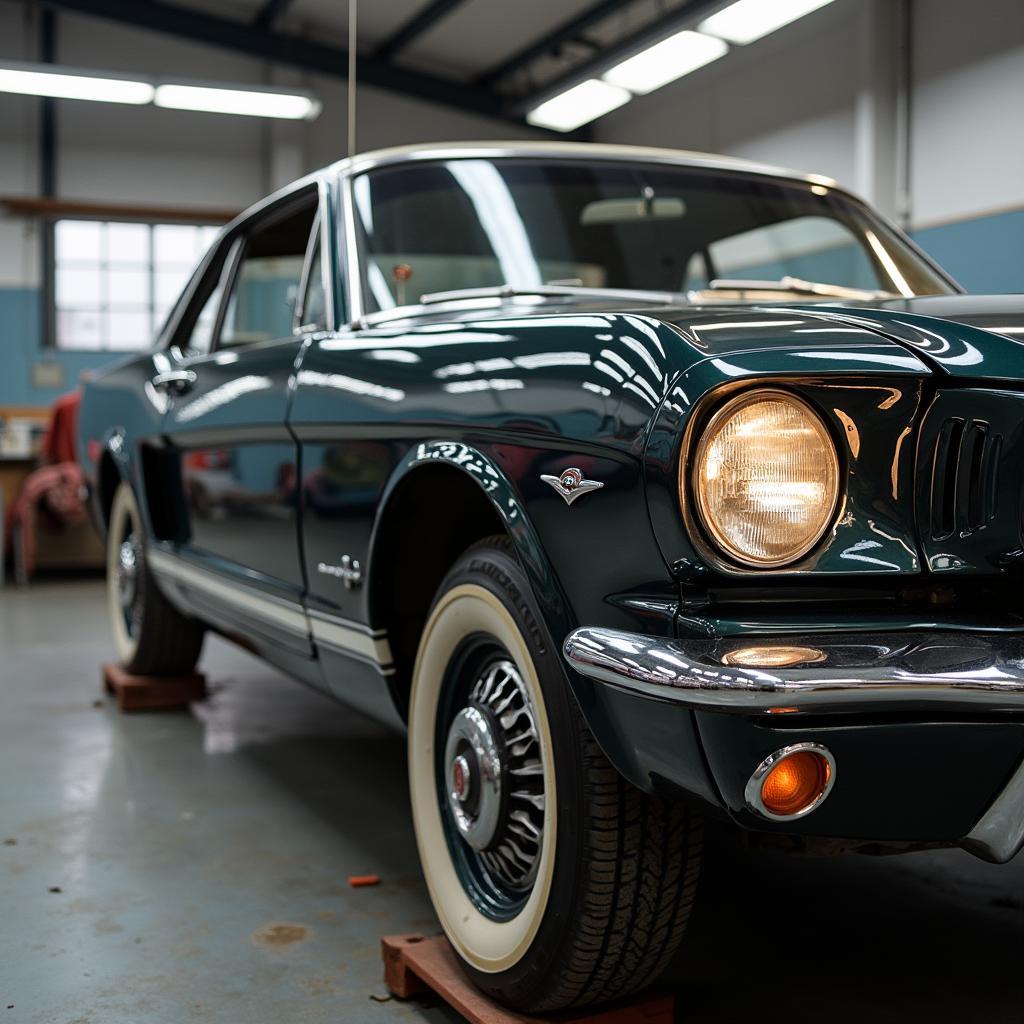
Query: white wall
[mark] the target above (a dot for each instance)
(801, 97)
(968, 108)
(788, 99)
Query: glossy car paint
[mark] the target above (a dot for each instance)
(503, 394)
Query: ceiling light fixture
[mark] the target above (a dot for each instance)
(747, 20)
(666, 61)
(72, 84)
(578, 105)
(293, 106)
(115, 87)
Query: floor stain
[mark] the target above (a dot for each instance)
(281, 935)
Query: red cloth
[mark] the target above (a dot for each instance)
(57, 492)
(60, 443)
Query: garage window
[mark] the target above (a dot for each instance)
(115, 281)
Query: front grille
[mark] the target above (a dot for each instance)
(964, 478)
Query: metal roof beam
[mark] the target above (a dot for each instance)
(553, 41)
(270, 13)
(679, 19)
(188, 23)
(416, 26)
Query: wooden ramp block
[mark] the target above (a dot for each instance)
(414, 964)
(146, 693)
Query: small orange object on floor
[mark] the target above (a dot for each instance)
(359, 881)
(147, 693)
(414, 964)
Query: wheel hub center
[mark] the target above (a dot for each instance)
(474, 761)
(461, 779)
(127, 571)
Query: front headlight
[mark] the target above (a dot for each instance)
(765, 478)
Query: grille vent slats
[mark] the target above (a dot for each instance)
(965, 466)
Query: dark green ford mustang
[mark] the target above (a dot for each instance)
(637, 485)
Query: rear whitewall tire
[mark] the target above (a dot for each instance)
(151, 637)
(124, 517)
(488, 945)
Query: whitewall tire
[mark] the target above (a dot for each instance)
(557, 883)
(151, 637)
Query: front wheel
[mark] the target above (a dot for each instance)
(151, 636)
(557, 882)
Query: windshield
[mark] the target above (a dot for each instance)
(440, 226)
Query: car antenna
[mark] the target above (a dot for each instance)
(352, 5)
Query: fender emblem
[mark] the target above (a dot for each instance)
(349, 572)
(571, 484)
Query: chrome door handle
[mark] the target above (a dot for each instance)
(175, 382)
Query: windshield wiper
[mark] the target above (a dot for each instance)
(508, 291)
(794, 286)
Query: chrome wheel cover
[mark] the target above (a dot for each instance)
(494, 778)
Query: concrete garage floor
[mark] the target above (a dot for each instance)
(167, 867)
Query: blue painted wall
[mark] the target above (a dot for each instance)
(21, 346)
(986, 255)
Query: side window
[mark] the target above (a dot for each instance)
(195, 334)
(313, 311)
(261, 305)
(200, 340)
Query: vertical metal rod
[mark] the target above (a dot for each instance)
(904, 113)
(47, 176)
(352, 5)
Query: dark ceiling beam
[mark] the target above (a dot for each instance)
(270, 12)
(655, 32)
(567, 32)
(199, 27)
(416, 26)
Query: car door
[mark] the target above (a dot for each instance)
(228, 393)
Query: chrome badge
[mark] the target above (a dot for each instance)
(349, 572)
(571, 484)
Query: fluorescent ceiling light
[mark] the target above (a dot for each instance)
(666, 61)
(578, 105)
(115, 87)
(747, 20)
(250, 102)
(68, 85)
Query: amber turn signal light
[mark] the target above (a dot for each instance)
(791, 782)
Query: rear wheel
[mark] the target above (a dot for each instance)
(557, 882)
(151, 636)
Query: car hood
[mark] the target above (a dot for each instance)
(964, 336)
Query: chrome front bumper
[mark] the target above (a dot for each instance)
(976, 674)
(970, 672)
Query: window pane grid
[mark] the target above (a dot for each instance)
(116, 281)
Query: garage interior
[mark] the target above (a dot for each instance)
(194, 865)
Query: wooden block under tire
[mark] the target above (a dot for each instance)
(150, 693)
(414, 964)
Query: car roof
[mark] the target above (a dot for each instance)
(566, 151)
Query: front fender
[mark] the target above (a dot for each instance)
(547, 535)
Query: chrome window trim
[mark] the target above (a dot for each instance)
(573, 150)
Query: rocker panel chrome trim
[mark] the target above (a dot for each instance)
(277, 611)
(351, 638)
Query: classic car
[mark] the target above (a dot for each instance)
(638, 486)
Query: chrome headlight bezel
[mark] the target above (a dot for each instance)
(692, 493)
